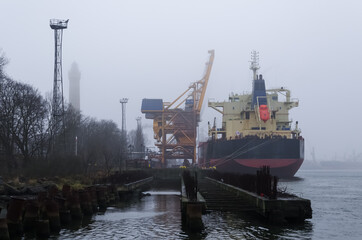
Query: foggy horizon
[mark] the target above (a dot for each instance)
(141, 49)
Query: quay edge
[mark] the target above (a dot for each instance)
(281, 210)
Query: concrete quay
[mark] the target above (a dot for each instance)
(281, 210)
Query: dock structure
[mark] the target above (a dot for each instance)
(200, 194)
(192, 202)
(44, 209)
(126, 191)
(134, 185)
(219, 199)
(225, 197)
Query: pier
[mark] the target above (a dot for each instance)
(272, 206)
(46, 209)
(225, 197)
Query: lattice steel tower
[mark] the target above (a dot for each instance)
(58, 99)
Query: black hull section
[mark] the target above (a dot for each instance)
(247, 155)
(249, 148)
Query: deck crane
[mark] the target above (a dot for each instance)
(175, 123)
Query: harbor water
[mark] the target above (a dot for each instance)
(336, 198)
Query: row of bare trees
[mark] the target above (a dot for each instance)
(23, 120)
(27, 146)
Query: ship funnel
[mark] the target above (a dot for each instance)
(258, 93)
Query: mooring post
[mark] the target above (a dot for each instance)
(31, 215)
(192, 203)
(4, 233)
(15, 216)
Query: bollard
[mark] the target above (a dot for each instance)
(42, 228)
(15, 216)
(4, 233)
(31, 215)
(52, 213)
(75, 210)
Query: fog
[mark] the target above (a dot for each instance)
(74, 76)
(155, 49)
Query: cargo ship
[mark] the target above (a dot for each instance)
(255, 132)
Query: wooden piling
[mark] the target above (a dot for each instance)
(101, 197)
(4, 233)
(43, 228)
(31, 215)
(52, 212)
(75, 209)
(191, 209)
(85, 202)
(93, 195)
(15, 216)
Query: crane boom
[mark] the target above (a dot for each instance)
(201, 85)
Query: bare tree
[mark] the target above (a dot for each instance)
(99, 144)
(30, 124)
(25, 118)
(110, 137)
(22, 121)
(7, 120)
(3, 62)
(7, 145)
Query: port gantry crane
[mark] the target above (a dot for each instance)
(175, 124)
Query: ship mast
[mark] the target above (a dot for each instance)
(254, 64)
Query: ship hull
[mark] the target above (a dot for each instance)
(246, 156)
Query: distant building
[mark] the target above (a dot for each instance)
(74, 86)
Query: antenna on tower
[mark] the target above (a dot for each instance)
(58, 99)
(254, 64)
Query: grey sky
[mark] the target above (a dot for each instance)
(154, 49)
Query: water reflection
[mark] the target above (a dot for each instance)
(249, 226)
(335, 196)
(157, 216)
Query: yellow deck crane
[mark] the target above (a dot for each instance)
(175, 123)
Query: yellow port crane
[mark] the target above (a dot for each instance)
(175, 123)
